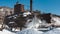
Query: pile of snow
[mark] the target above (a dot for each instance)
(30, 31)
(54, 31)
(0, 25)
(56, 20)
(6, 32)
(35, 23)
(26, 13)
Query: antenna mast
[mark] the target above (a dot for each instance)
(30, 5)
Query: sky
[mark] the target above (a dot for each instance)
(47, 6)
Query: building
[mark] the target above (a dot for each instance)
(18, 8)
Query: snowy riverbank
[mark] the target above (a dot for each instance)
(31, 31)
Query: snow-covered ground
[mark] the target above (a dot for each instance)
(34, 31)
(54, 31)
(32, 27)
(35, 23)
(30, 31)
(4, 31)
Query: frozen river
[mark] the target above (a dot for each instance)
(34, 31)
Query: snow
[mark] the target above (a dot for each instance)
(32, 27)
(14, 29)
(4, 31)
(56, 20)
(26, 13)
(35, 31)
(54, 31)
(1, 9)
(10, 17)
(11, 22)
(0, 25)
(30, 31)
(35, 23)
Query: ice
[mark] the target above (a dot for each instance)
(30, 31)
(4, 31)
(54, 31)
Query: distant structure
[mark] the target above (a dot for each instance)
(4, 11)
(8, 10)
(18, 8)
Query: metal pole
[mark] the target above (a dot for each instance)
(30, 5)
